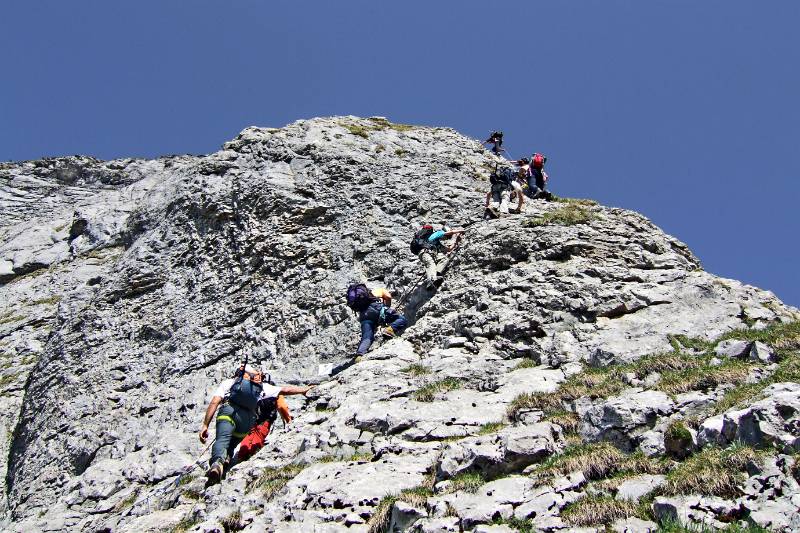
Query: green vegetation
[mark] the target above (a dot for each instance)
(518, 524)
(597, 509)
(578, 201)
(186, 523)
(712, 471)
(233, 522)
(382, 124)
(525, 362)
(50, 300)
(679, 373)
(428, 392)
(703, 376)
(272, 480)
(671, 526)
(785, 339)
(127, 503)
(9, 316)
(782, 336)
(568, 420)
(677, 430)
(400, 152)
(491, 427)
(360, 457)
(569, 215)
(376, 124)
(379, 521)
(416, 369)
(467, 482)
(357, 130)
(596, 461)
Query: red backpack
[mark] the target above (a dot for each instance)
(538, 161)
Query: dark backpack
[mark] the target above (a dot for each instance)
(420, 240)
(246, 389)
(359, 297)
(502, 176)
(267, 411)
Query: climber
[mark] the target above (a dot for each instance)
(503, 181)
(537, 177)
(237, 399)
(374, 310)
(268, 411)
(428, 246)
(496, 140)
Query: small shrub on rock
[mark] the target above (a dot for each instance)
(272, 480)
(569, 215)
(429, 392)
(598, 510)
(712, 471)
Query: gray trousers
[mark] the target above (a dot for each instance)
(430, 260)
(233, 423)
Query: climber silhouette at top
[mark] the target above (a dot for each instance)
(496, 140)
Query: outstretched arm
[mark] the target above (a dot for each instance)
(289, 390)
(210, 410)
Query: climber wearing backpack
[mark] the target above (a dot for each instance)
(374, 310)
(496, 140)
(503, 183)
(537, 177)
(238, 401)
(428, 246)
(268, 411)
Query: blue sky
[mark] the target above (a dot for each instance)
(686, 111)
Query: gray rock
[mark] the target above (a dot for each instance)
(773, 421)
(634, 525)
(511, 449)
(733, 348)
(140, 283)
(636, 487)
(403, 515)
(616, 418)
(437, 525)
(761, 353)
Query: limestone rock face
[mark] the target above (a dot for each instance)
(131, 288)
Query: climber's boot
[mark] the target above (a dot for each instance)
(214, 474)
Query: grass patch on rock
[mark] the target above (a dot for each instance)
(491, 427)
(467, 482)
(429, 392)
(679, 373)
(704, 376)
(272, 480)
(526, 362)
(379, 521)
(185, 524)
(568, 420)
(786, 341)
(568, 215)
(712, 471)
(596, 461)
(575, 201)
(416, 369)
(598, 509)
(517, 524)
(233, 522)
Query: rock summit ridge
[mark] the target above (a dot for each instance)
(561, 336)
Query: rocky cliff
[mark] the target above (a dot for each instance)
(577, 367)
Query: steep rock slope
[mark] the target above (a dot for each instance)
(132, 286)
